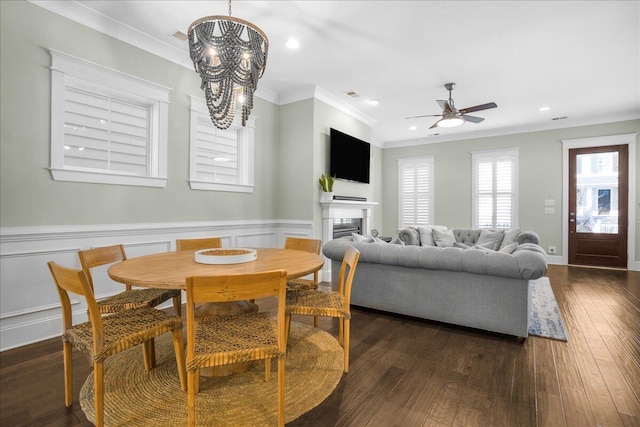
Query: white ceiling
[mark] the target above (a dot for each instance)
(581, 58)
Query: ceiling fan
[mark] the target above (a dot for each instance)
(451, 116)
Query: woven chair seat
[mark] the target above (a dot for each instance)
(122, 330)
(221, 340)
(317, 303)
(297, 285)
(135, 298)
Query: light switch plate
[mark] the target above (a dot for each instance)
(549, 211)
(549, 202)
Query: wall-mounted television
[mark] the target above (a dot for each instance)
(349, 157)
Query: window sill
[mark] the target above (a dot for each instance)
(73, 175)
(213, 186)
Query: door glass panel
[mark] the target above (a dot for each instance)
(597, 193)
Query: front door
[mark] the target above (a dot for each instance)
(598, 191)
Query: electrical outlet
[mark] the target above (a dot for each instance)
(552, 250)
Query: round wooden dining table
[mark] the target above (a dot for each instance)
(171, 269)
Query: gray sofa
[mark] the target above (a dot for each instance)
(474, 281)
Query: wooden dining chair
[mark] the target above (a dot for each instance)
(198, 244)
(223, 340)
(104, 336)
(130, 298)
(329, 304)
(307, 245)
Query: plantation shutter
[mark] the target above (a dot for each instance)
(216, 152)
(415, 181)
(104, 133)
(495, 189)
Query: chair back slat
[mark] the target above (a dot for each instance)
(302, 244)
(234, 287)
(97, 257)
(345, 278)
(198, 244)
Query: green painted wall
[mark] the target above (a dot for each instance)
(540, 178)
(29, 196)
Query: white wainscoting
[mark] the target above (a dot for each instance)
(29, 303)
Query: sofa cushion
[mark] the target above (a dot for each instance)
(493, 238)
(510, 237)
(443, 239)
(467, 236)
(426, 234)
(509, 248)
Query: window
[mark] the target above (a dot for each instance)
(495, 183)
(220, 160)
(415, 191)
(106, 126)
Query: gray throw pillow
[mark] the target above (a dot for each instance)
(509, 237)
(486, 247)
(493, 237)
(378, 240)
(396, 241)
(444, 239)
(461, 245)
(509, 248)
(426, 234)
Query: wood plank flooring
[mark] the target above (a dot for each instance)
(411, 372)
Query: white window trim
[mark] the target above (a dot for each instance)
(66, 68)
(402, 162)
(492, 154)
(246, 136)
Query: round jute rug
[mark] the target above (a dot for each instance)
(133, 397)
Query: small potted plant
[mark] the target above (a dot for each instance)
(326, 183)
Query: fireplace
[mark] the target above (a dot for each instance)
(341, 218)
(346, 226)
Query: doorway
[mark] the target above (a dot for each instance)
(598, 206)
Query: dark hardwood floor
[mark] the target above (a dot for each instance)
(410, 372)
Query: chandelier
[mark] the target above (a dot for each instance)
(230, 54)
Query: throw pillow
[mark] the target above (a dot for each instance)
(509, 248)
(461, 245)
(396, 241)
(360, 238)
(509, 237)
(493, 237)
(426, 234)
(378, 240)
(444, 239)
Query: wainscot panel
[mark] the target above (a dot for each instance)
(29, 304)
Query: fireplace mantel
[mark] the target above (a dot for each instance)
(341, 209)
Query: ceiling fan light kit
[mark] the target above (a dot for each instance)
(230, 54)
(452, 117)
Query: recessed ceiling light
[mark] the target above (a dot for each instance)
(292, 44)
(412, 128)
(374, 101)
(545, 108)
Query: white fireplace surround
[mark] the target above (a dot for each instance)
(343, 209)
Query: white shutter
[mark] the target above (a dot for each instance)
(495, 189)
(415, 182)
(103, 133)
(216, 152)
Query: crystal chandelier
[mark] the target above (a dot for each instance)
(230, 54)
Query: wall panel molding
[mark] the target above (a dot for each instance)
(30, 307)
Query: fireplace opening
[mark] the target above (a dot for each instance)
(346, 226)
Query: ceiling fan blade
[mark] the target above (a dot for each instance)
(444, 105)
(478, 108)
(419, 117)
(472, 119)
(435, 125)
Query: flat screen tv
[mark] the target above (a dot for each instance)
(349, 157)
